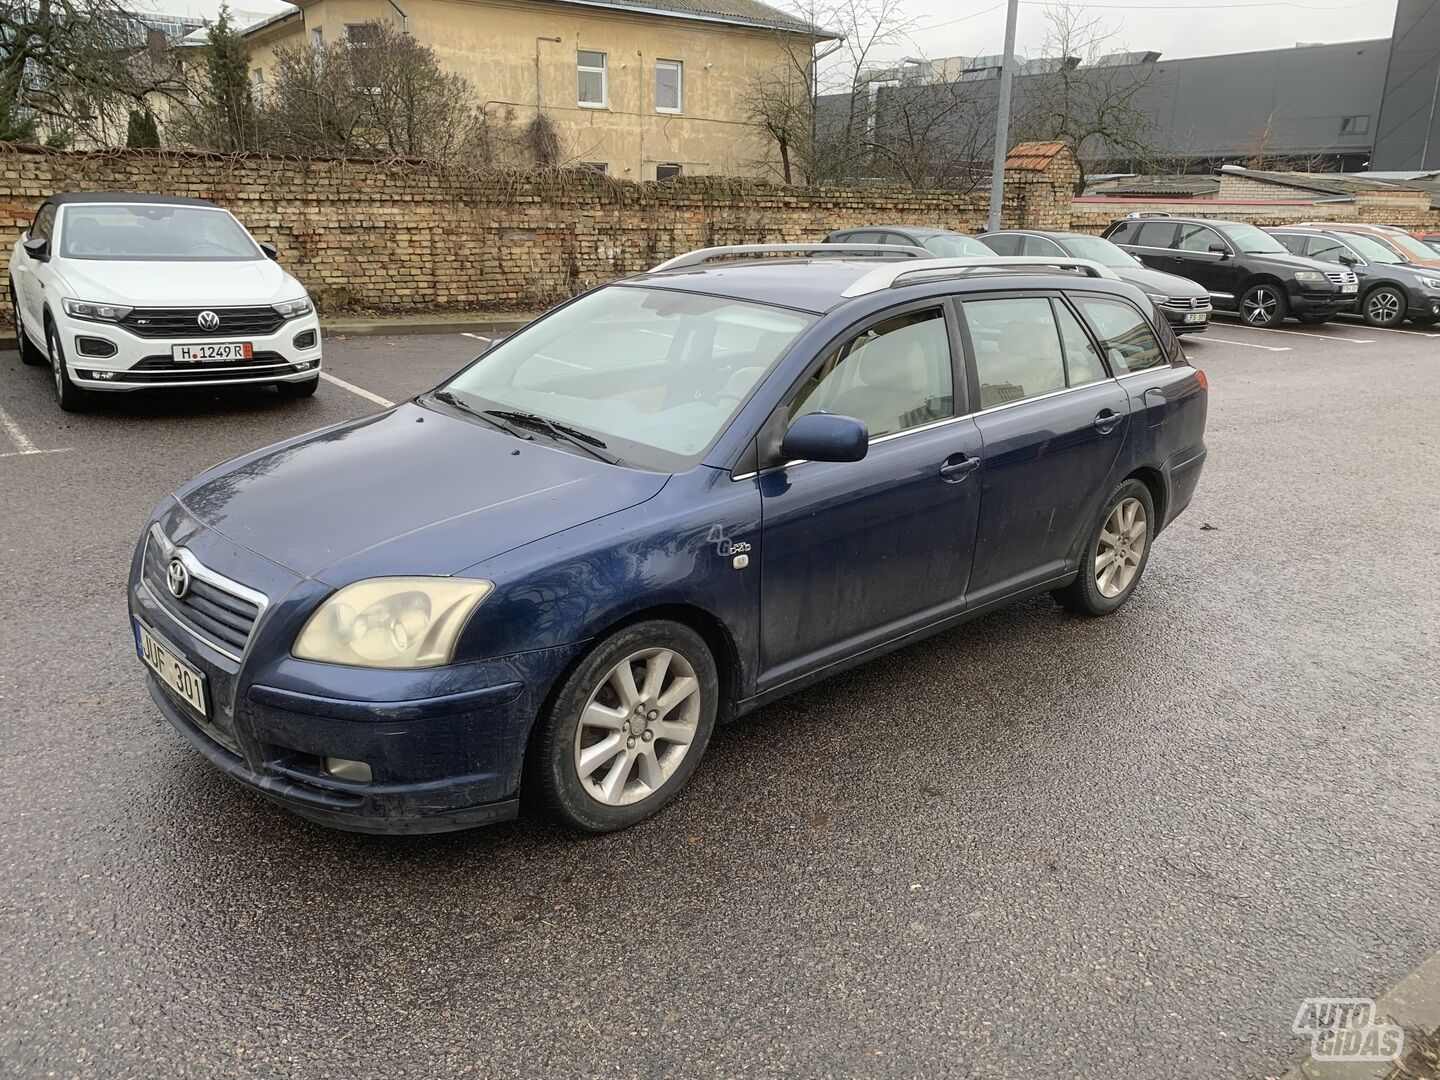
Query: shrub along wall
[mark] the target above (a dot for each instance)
(405, 235)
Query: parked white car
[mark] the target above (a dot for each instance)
(120, 292)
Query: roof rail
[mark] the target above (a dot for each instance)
(704, 255)
(1148, 213)
(887, 277)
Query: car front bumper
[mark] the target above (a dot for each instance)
(445, 746)
(1185, 320)
(291, 353)
(1311, 301)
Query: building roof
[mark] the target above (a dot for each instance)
(1035, 156)
(1171, 186)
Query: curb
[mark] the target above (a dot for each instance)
(385, 329)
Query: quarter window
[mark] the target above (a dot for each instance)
(1039, 245)
(1125, 335)
(594, 93)
(1003, 245)
(894, 376)
(669, 86)
(1082, 359)
(1017, 348)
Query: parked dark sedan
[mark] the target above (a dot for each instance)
(1185, 305)
(1392, 288)
(668, 502)
(943, 243)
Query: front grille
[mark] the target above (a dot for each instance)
(1341, 277)
(208, 609)
(1188, 303)
(261, 367)
(185, 322)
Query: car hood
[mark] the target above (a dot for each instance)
(178, 284)
(1157, 281)
(408, 491)
(1294, 262)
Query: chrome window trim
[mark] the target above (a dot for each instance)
(198, 569)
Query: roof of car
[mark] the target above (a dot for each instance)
(917, 230)
(1052, 234)
(821, 287)
(80, 197)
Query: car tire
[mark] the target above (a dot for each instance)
(592, 766)
(298, 389)
(68, 396)
(1264, 305)
(1383, 306)
(1100, 588)
(29, 354)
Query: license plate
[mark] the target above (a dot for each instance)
(173, 672)
(1197, 317)
(212, 351)
(1349, 288)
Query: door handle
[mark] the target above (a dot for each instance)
(957, 467)
(1106, 421)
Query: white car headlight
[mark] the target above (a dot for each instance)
(86, 309)
(292, 308)
(397, 622)
(1430, 283)
(1157, 298)
(1310, 275)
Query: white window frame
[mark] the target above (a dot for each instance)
(604, 72)
(679, 66)
(602, 167)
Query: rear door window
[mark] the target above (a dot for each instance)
(1039, 245)
(1160, 234)
(1123, 232)
(1127, 338)
(1017, 348)
(1003, 245)
(1082, 359)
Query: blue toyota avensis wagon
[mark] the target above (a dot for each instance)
(669, 501)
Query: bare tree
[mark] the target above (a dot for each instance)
(1097, 108)
(933, 135)
(1261, 151)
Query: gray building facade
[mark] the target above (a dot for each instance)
(1408, 134)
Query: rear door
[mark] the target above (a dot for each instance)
(1154, 245)
(1052, 421)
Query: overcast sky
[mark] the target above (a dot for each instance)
(1173, 27)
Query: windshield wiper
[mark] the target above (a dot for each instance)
(583, 439)
(457, 402)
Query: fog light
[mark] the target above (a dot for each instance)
(94, 346)
(357, 772)
(100, 374)
(303, 365)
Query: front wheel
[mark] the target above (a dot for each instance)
(1383, 307)
(1264, 305)
(1114, 559)
(626, 729)
(29, 354)
(68, 396)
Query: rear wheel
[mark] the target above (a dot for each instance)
(29, 354)
(627, 728)
(298, 389)
(1114, 558)
(1264, 305)
(1384, 306)
(68, 396)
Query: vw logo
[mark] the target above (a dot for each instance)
(177, 579)
(208, 320)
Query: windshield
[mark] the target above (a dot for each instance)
(655, 374)
(1250, 239)
(154, 233)
(955, 246)
(1414, 249)
(1101, 251)
(1373, 250)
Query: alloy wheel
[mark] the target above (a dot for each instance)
(1382, 307)
(1260, 305)
(1122, 547)
(637, 727)
(57, 362)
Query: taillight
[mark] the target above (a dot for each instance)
(1201, 379)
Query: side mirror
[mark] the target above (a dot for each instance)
(1350, 260)
(1220, 249)
(39, 250)
(270, 250)
(824, 437)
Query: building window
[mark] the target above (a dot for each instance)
(669, 86)
(596, 166)
(667, 172)
(593, 91)
(1354, 125)
(317, 39)
(257, 85)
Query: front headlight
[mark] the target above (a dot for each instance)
(398, 622)
(292, 308)
(1430, 283)
(1310, 275)
(1157, 298)
(86, 309)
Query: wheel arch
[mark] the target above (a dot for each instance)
(1263, 277)
(1154, 481)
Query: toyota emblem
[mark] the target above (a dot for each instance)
(177, 579)
(208, 320)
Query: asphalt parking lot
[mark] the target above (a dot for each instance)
(1034, 846)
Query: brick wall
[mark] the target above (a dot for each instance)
(407, 235)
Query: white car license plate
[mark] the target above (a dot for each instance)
(1196, 317)
(173, 672)
(212, 351)
(1349, 288)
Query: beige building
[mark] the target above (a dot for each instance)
(645, 89)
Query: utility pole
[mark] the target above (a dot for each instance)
(1002, 117)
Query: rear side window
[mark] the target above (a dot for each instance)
(1123, 233)
(1159, 234)
(1017, 348)
(1082, 359)
(1039, 245)
(1127, 338)
(1003, 245)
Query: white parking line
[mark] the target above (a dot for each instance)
(22, 442)
(1249, 344)
(1300, 333)
(1356, 320)
(477, 337)
(366, 394)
